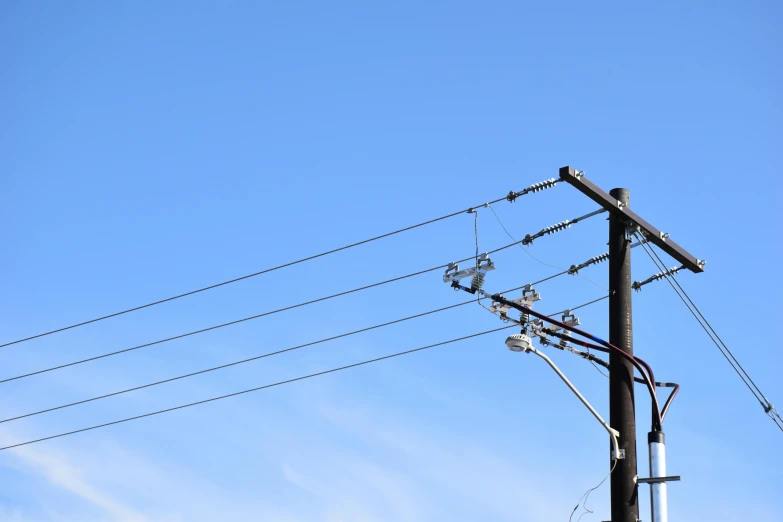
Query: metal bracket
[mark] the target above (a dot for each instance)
(453, 273)
(537, 330)
(529, 296)
(658, 480)
(628, 232)
(570, 319)
(621, 456)
(588, 188)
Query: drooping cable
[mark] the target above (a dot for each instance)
(511, 197)
(597, 360)
(527, 251)
(478, 277)
(586, 495)
(672, 395)
(279, 383)
(769, 409)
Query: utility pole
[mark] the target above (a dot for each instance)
(625, 499)
(623, 222)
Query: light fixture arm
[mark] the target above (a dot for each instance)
(614, 434)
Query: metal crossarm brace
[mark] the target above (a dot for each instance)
(657, 480)
(652, 234)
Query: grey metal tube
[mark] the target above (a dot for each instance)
(658, 495)
(612, 433)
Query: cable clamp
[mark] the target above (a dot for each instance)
(657, 480)
(629, 231)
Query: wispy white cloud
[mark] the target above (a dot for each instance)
(466, 469)
(63, 474)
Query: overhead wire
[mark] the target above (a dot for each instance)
(249, 359)
(252, 317)
(769, 409)
(258, 388)
(222, 325)
(271, 385)
(234, 363)
(511, 197)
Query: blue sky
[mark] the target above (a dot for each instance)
(150, 148)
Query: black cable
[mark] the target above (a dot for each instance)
(597, 360)
(179, 296)
(672, 395)
(230, 323)
(223, 325)
(235, 363)
(340, 368)
(243, 361)
(580, 306)
(511, 197)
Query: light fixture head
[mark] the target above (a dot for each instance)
(519, 343)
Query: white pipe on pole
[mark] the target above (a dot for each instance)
(658, 494)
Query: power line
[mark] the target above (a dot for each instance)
(271, 354)
(580, 306)
(769, 409)
(230, 323)
(511, 197)
(235, 363)
(279, 383)
(258, 357)
(222, 325)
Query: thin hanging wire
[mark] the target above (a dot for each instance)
(527, 251)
